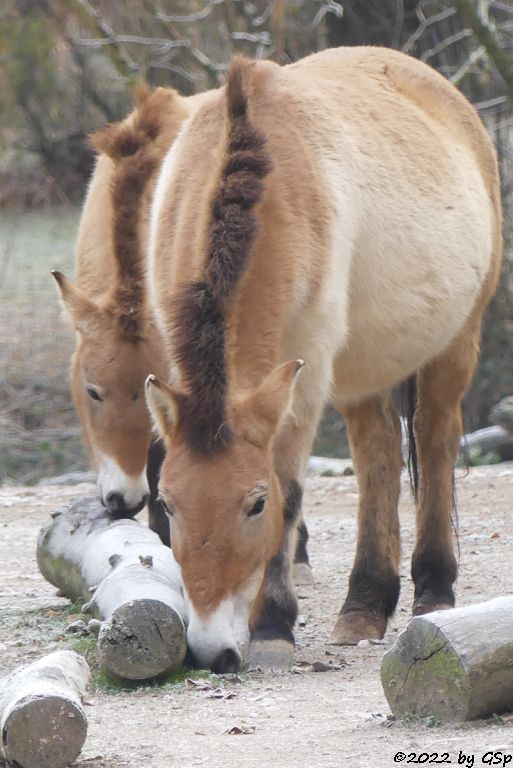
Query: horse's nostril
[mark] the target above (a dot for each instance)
(227, 661)
(115, 501)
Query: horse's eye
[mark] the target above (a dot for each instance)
(167, 508)
(257, 507)
(94, 394)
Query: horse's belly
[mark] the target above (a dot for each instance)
(398, 330)
(418, 265)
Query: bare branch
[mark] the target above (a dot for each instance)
(467, 65)
(107, 30)
(204, 60)
(425, 23)
(174, 19)
(448, 41)
(487, 36)
(399, 21)
(491, 103)
(161, 42)
(259, 20)
(329, 7)
(263, 38)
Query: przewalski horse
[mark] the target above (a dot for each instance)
(117, 341)
(345, 211)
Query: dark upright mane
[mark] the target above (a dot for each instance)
(132, 147)
(200, 312)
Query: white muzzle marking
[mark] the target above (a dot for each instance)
(112, 479)
(227, 628)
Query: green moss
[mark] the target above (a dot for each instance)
(102, 681)
(429, 721)
(62, 574)
(422, 675)
(86, 645)
(475, 458)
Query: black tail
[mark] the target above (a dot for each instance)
(409, 394)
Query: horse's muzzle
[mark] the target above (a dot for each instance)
(118, 507)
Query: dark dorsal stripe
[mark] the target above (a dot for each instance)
(200, 312)
(131, 147)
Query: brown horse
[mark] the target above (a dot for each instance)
(118, 344)
(345, 211)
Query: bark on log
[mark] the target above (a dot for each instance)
(454, 665)
(488, 440)
(130, 581)
(42, 721)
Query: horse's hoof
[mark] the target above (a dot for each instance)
(302, 575)
(353, 626)
(420, 608)
(271, 655)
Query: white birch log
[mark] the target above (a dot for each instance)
(42, 721)
(488, 440)
(130, 581)
(454, 665)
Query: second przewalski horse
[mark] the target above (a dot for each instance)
(117, 342)
(343, 211)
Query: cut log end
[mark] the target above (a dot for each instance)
(422, 675)
(142, 639)
(44, 732)
(455, 664)
(129, 580)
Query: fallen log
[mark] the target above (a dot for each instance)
(489, 440)
(42, 721)
(129, 580)
(453, 665)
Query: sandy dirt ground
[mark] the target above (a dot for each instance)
(303, 718)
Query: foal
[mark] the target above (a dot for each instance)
(117, 341)
(343, 211)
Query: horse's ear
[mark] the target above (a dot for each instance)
(259, 415)
(82, 311)
(163, 403)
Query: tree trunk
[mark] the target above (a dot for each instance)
(134, 581)
(454, 665)
(42, 721)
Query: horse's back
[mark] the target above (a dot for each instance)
(412, 175)
(95, 262)
(379, 222)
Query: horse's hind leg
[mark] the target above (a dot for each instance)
(438, 428)
(375, 439)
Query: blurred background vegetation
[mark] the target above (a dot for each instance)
(69, 66)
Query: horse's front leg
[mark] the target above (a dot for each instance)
(158, 520)
(375, 440)
(272, 635)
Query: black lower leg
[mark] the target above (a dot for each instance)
(372, 589)
(158, 520)
(279, 607)
(434, 573)
(301, 546)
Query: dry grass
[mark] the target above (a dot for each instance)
(39, 428)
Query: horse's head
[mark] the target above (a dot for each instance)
(117, 342)
(226, 509)
(108, 371)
